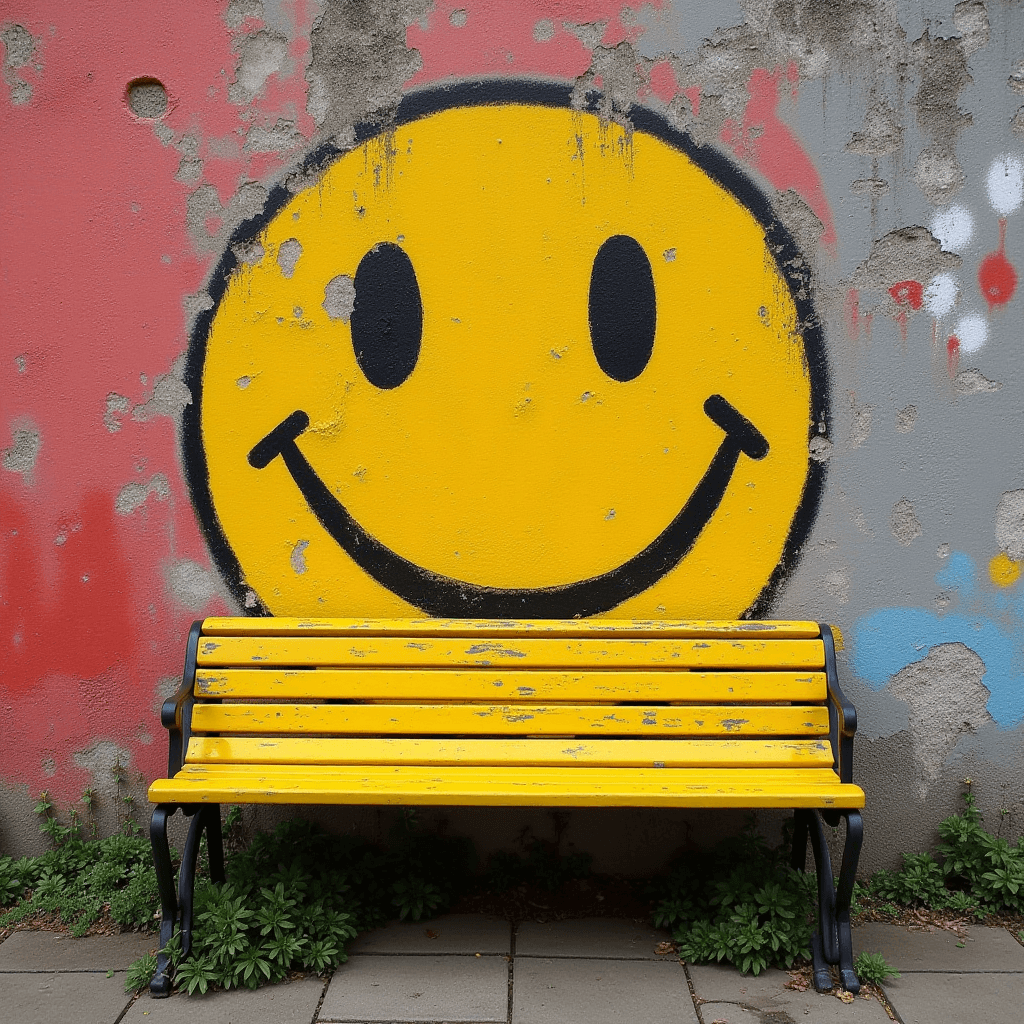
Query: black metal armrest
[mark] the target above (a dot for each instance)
(176, 712)
(842, 716)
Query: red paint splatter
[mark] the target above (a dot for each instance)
(767, 142)
(907, 295)
(997, 279)
(693, 95)
(996, 276)
(953, 355)
(793, 77)
(663, 81)
(853, 314)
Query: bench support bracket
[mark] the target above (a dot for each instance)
(832, 942)
(176, 907)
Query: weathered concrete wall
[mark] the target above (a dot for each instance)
(886, 138)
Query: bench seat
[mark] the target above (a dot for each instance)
(490, 786)
(587, 713)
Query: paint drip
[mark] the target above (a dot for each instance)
(953, 355)
(908, 295)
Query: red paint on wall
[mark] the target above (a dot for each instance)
(853, 314)
(96, 260)
(663, 81)
(952, 355)
(764, 140)
(693, 95)
(908, 295)
(997, 278)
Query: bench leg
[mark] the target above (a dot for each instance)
(206, 817)
(160, 986)
(844, 895)
(833, 941)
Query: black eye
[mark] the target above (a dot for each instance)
(387, 318)
(623, 310)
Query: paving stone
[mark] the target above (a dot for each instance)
(589, 937)
(734, 998)
(81, 998)
(986, 949)
(564, 991)
(925, 998)
(291, 1002)
(48, 951)
(454, 933)
(372, 987)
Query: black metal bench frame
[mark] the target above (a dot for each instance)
(831, 944)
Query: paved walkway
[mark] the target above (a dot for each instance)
(475, 969)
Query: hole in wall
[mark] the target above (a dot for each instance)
(147, 97)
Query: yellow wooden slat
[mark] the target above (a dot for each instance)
(532, 653)
(661, 628)
(484, 684)
(489, 786)
(514, 719)
(638, 753)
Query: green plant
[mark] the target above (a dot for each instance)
(295, 897)
(140, 972)
(79, 879)
(740, 903)
(871, 967)
(920, 882)
(415, 898)
(988, 867)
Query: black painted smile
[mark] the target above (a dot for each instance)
(442, 595)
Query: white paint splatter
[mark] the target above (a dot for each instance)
(941, 294)
(972, 332)
(1005, 184)
(953, 227)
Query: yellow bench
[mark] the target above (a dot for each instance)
(583, 713)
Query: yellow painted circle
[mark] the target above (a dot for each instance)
(1003, 570)
(508, 458)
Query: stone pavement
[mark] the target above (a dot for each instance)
(476, 970)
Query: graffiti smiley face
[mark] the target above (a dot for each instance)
(507, 360)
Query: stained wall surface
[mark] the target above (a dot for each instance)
(692, 309)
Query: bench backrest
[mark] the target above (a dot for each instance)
(435, 692)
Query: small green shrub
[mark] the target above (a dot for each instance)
(140, 972)
(989, 867)
(740, 903)
(920, 882)
(871, 967)
(295, 897)
(78, 879)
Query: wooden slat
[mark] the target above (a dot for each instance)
(484, 684)
(532, 653)
(664, 629)
(626, 753)
(489, 786)
(550, 719)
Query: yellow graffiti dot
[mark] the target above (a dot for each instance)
(1003, 570)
